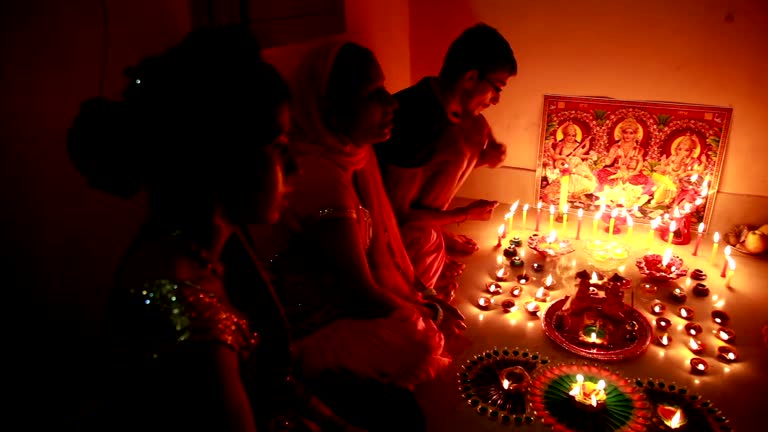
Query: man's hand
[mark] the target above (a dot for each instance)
(494, 154)
(480, 210)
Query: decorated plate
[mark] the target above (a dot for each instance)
(673, 405)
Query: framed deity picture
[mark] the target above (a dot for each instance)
(656, 161)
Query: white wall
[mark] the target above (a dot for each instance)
(693, 51)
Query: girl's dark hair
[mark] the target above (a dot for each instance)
(189, 113)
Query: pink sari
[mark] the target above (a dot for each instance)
(337, 179)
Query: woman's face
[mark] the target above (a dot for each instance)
(369, 113)
(269, 179)
(628, 135)
(570, 135)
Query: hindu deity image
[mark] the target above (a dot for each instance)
(650, 159)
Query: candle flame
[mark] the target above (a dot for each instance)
(704, 188)
(594, 337)
(580, 213)
(538, 206)
(731, 356)
(700, 366)
(513, 207)
(693, 344)
(684, 313)
(525, 208)
(565, 208)
(701, 227)
(672, 226)
(594, 400)
(552, 209)
(601, 384)
(548, 281)
(731, 263)
(614, 212)
(540, 292)
(594, 278)
(598, 215)
(667, 256)
(505, 383)
(727, 251)
(676, 212)
(675, 423)
(501, 230)
(716, 238)
(499, 260)
(723, 335)
(665, 339)
(552, 237)
(694, 177)
(629, 220)
(655, 222)
(580, 378)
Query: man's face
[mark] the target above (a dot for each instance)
(485, 92)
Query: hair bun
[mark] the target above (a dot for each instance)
(101, 149)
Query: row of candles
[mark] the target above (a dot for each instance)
(729, 264)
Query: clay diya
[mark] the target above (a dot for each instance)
(685, 312)
(696, 346)
(538, 267)
(725, 334)
(523, 278)
(672, 416)
(661, 268)
(678, 295)
(663, 323)
(727, 354)
(510, 252)
(508, 305)
(494, 288)
(693, 329)
(664, 340)
(516, 290)
(516, 262)
(484, 302)
(699, 366)
(533, 308)
(700, 290)
(658, 308)
(698, 275)
(720, 317)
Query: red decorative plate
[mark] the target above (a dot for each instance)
(619, 347)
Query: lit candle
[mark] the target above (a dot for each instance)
(525, 214)
(654, 223)
(501, 270)
(696, 346)
(731, 270)
(538, 215)
(502, 233)
(579, 215)
(671, 416)
(664, 340)
(551, 217)
(630, 226)
(715, 243)
(699, 366)
(612, 223)
(565, 219)
(726, 254)
(533, 308)
(564, 184)
(512, 210)
(698, 239)
(598, 215)
(671, 235)
(542, 295)
(484, 302)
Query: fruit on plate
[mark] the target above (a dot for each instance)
(764, 229)
(755, 242)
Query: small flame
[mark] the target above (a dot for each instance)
(629, 220)
(716, 237)
(552, 237)
(693, 344)
(499, 260)
(525, 208)
(598, 215)
(723, 335)
(655, 223)
(694, 178)
(594, 278)
(684, 313)
(565, 208)
(701, 227)
(672, 227)
(552, 209)
(505, 383)
(665, 339)
(538, 206)
(667, 257)
(580, 213)
(513, 207)
(548, 281)
(501, 230)
(705, 188)
(675, 423)
(594, 400)
(727, 251)
(594, 337)
(540, 293)
(731, 356)
(614, 212)
(601, 385)
(731, 263)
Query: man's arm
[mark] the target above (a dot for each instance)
(402, 186)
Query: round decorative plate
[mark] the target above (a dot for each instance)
(624, 406)
(618, 348)
(696, 414)
(539, 243)
(482, 383)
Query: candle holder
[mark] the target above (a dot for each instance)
(515, 379)
(589, 396)
(549, 247)
(648, 288)
(502, 274)
(523, 278)
(685, 312)
(725, 334)
(695, 346)
(699, 366)
(664, 340)
(508, 305)
(542, 295)
(516, 291)
(510, 252)
(693, 329)
(537, 267)
(663, 323)
(532, 307)
(700, 290)
(516, 262)
(652, 266)
(606, 255)
(698, 275)
(678, 295)
(671, 416)
(720, 317)
(658, 308)
(484, 302)
(494, 288)
(727, 354)
(515, 241)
